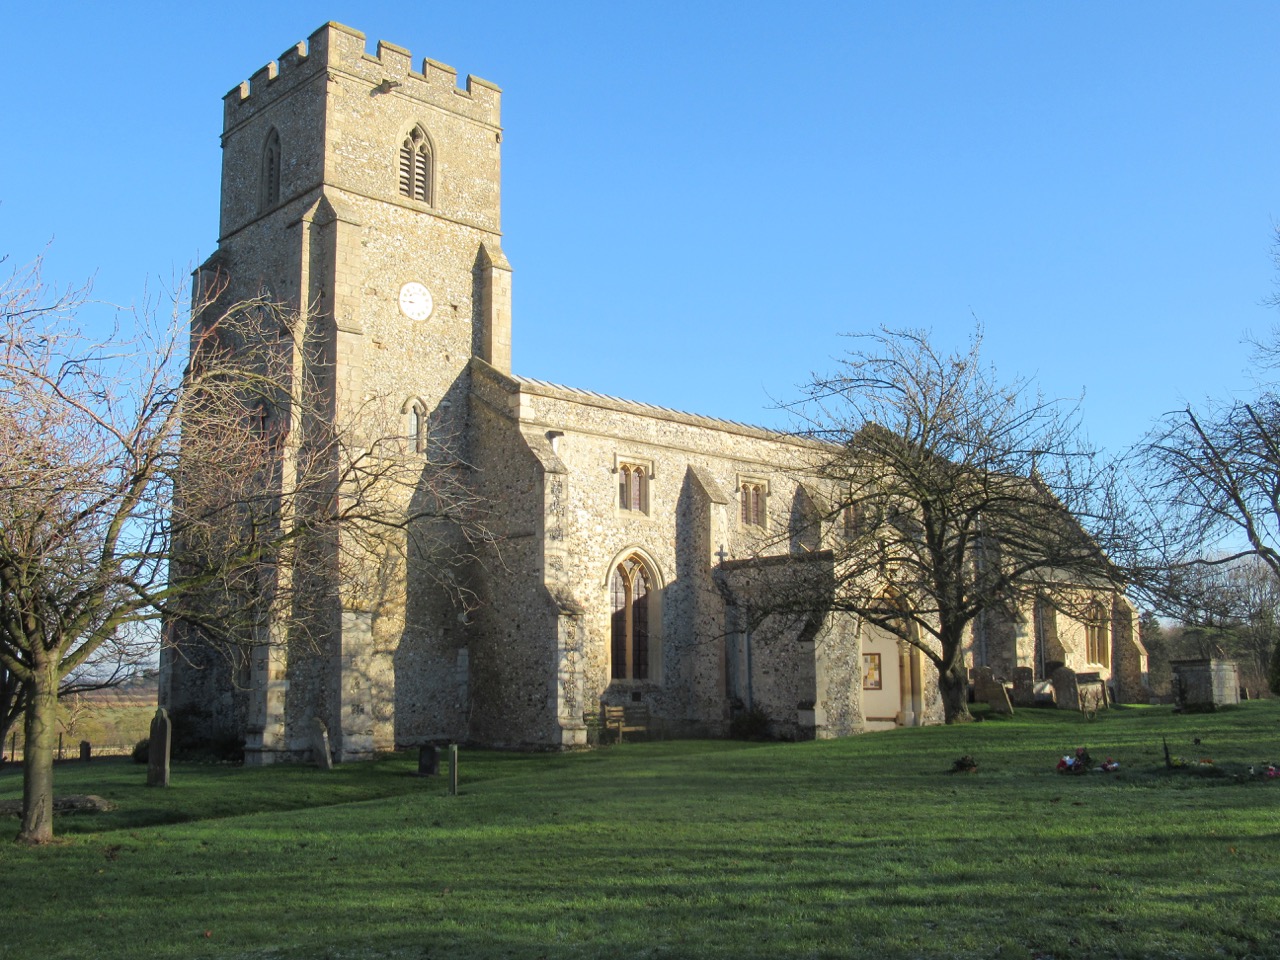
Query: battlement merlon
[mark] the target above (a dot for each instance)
(339, 52)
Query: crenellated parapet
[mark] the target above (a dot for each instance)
(339, 52)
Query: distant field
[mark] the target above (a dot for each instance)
(111, 720)
(863, 847)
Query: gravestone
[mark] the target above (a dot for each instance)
(1091, 691)
(158, 749)
(998, 700)
(428, 760)
(1024, 687)
(86, 751)
(991, 691)
(1065, 691)
(320, 744)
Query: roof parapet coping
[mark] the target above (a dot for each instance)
(335, 44)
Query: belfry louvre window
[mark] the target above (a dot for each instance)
(630, 594)
(753, 503)
(633, 487)
(415, 166)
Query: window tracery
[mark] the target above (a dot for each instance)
(415, 166)
(630, 595)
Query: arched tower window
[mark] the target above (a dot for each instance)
(415, 166)
(269, 183)
(420, 427)
(631, 590)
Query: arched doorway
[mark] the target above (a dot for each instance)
(892, 677)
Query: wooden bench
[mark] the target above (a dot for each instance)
(629, 719)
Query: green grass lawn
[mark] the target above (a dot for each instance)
(864, 847)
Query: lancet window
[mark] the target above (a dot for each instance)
(633, 487)
(269, 182)
(1098, 636)
(754, 494)
(419, 427)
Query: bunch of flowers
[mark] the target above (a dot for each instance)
(1080, 763)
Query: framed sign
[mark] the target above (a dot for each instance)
(871, 678)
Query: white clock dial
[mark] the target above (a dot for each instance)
(415, 301)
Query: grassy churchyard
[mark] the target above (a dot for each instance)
(864, 847)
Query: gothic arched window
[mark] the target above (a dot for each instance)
(415, 166)
(269, 182)
(630, 592)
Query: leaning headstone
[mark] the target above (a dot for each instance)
(998, 700)
(86, 751)
(428, 760)
(1065, 691)
(158, 749)
(991, 690)
(320, 744)
(1024, 687)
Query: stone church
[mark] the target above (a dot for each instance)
(364, 192)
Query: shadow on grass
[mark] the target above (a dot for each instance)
(862, 847)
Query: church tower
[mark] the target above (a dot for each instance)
(363, 195)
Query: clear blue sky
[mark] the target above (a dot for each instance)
(1096, 182)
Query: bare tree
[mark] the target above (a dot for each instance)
(1212, 478)
(951, 495)
(1206, 543)
(1209, 491)
(1257, 594)
(113, 450)
(1230, 610)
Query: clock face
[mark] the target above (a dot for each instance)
(415, 301)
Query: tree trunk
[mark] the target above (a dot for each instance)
(41, 727)
(953, 684)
